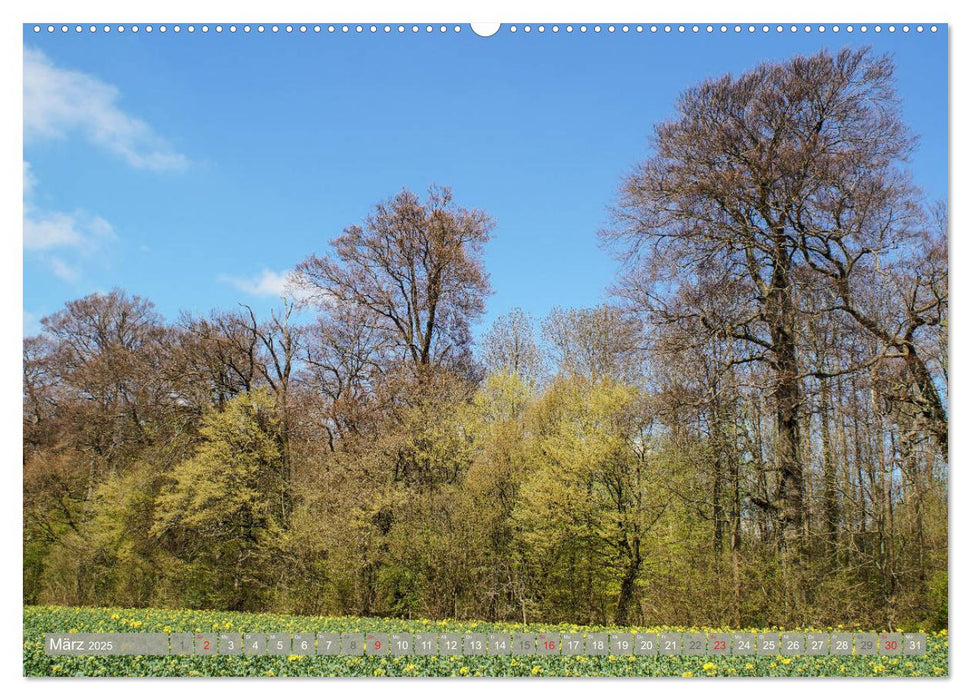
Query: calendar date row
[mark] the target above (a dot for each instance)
(487, 644)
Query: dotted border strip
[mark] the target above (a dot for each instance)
(506, 28)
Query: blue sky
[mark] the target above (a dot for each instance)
(197, 169)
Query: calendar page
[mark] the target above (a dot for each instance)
(545, 349)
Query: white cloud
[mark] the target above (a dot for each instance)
(49, 230)
(46, 232)
(64, 270)
(30, 181)
(59, 101)
(31, 323)
(267, 284)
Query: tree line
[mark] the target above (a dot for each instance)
(753, 432)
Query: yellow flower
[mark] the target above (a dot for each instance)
(749, 667)
(709, 666)
(687, 674)
(536, 670)
(379, 672)
(464, 671)
(786, 661)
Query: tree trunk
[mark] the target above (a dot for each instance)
(627, 583)
(830, 503)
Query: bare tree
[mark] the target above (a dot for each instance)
(510, 346)
(754, 176)
(415, 269)
(595, 343)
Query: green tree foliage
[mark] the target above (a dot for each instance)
(617, 464)
(225, 504)
(593, 496)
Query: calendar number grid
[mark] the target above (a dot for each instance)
(487, 644)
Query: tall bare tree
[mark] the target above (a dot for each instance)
(415, 269)
(756, 177)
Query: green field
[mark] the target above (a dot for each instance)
(38, 620)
